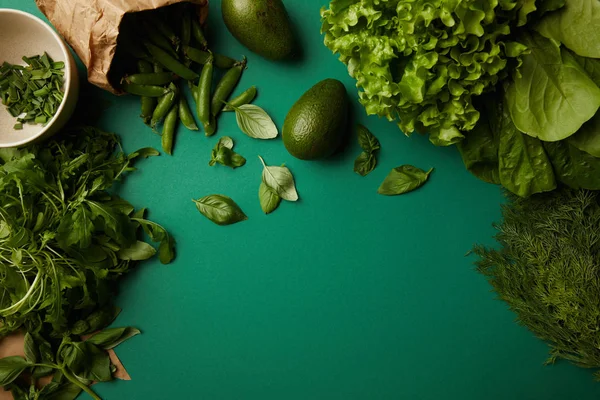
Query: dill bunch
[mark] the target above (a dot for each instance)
(547, 269)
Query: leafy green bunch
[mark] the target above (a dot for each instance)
(424, 61)
(547, 269)
(64, 239)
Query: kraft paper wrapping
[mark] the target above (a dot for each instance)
(91, 28)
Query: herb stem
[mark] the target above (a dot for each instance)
(77, 382)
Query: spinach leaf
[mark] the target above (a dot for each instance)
(11, 368)
(220, 209)
(367, 141)
(224, 155)
(576, 26)
(269, 200)
(590, 65)
(111, 338)
(403, 179)
(588, 137)
(137, 252)
(573, 167)
(553, 96)
(281, 180)
(524, 168)
(365, 163)
(255, 122)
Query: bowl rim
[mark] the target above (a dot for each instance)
(66, 81)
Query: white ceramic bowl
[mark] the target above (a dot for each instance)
(22, 34)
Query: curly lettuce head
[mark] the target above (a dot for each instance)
(425, 61)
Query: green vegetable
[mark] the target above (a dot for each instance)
(223, 154)
(159, 40)
(573, 167)
(553, 96)
(185, 114)
(203, 97)
(269, 199)
(186, 27)
(403, 179)
(32, 93)
(169, 127)
(144, 90)
(197, 33)
(220, 209)
(225, 87)
(201, 57)
(148, 103)
(165, 103)
(545, 266)
(366, 162)
(111, 338)
(280, 180)
(64, 239)
(151, 78)
(588, 137)
(255, 122)
(170, 62)
(244, 98)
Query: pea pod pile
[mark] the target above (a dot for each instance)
(156, 64)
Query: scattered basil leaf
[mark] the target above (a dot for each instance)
(137, 252)
(220, 209)
(269, 200)
(281, 180)
(403, 179)
(367, 141)
(224, 155)
(255, 122)
(111, 338)
(225, 141)
(11, 368)
(65, 391)
(365, 163)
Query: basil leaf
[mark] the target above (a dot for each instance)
(220, 209)
(225, 141)
(403, 179)
(166, 249)
(111, 338)
(255, 122)
(66, 391)
(367, 140)
(224, 155)
(281, 180)
(11, 368)
(365, 163)
(269, 200)
(30, 348)
(137, 252)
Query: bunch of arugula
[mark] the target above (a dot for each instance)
(547, 268)
(64, 242)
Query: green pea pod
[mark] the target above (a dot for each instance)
(185, 114)
(157, 67)
(148, 103)
(164, 105)
(170, 63)
(225, 87)
(200, 57)
(186, 27)
(203, 96)
(151, 78)
(198, 34)
(159, 40)
(194, 90)
(244, 98)
(164, 29)
(169, 127)
(144, 90)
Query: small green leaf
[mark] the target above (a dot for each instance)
(367, 141)
(224, 155)
(269, 200)
(403, 179)
(30, 348)
(255, 122)
(365, 163)
(281, 180)
(166, 249)
(144, 153)
(220, 209)
(111, 338)
(225, 141)
(65, 391)
(137, 252)
(11, 368)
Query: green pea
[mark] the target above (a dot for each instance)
(159, 40)
(244, 98)
(164, 105)
(186, 27)
(144, 90)
(203, 96)
(151, 78)
(185, 114)
(169, 127)
(200, 56)
(225, 87)
(198, 34)
(148, 103)
(170, 63)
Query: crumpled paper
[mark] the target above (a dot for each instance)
(91, 28)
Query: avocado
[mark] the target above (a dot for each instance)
(315, 125)
(260, 25)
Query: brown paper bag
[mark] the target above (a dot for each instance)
(91, 28)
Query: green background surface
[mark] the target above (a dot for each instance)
(344, 295)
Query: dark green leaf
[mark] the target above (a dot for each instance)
(88, 361)
(367, 141)
(111, 338)
(365, 163)
(269, 200)
(11, 368)
(30, 348)
(588, 137)
(65, 391)
(573, 167)
(224, 155)
(403, 179)
(139, 251)
(166, 249)
(220, 209)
